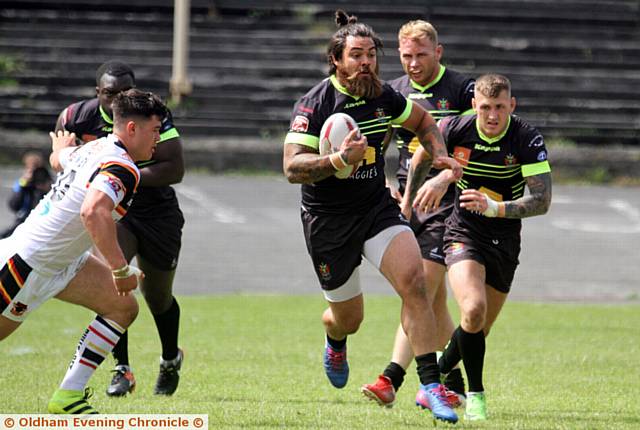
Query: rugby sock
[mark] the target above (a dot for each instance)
(168, 324)
(454, 381)
(427, 367)
(337, 345)
(396, 373)
(472, 349)
(121, 350)
(451, 354)
(95, 344)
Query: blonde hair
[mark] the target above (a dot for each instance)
(492, 84)
(418, 29)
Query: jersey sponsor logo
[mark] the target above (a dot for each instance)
(355, 104)
(364, 173)
(300, 124)
(542, 155)
(443, 104)
(536, 142)
(324, 271)
(470, 87)
(462, 155)
(485, 148)
(107, 128)
(18, 309)
(420, 96)
(510, 160)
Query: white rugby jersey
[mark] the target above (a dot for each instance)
(53, 235)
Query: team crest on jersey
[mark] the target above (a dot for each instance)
(510, 160)
(380, 115)
(18, 309)
(300, 124)
(325, 272)
(443, 104)
(115, 184)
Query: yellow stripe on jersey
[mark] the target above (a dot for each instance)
(169, 134)
(302, 139)
(4, 294)
(14, 272)
(405, 114)
(133, 171)
(536, 168)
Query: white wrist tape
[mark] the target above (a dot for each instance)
(492, 208)
(126, 272)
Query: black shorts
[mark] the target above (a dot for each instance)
(499, 256)
(429, 231)
(335, 242)
(159, 238)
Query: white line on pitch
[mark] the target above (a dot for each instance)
(220, 212)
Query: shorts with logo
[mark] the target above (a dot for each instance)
(429, 231)
(23, 289)
(159, 238)
(499, 256)
(335, 242)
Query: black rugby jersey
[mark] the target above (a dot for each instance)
(89, 122)
(450, 93)
(366, 186)
(496, 166)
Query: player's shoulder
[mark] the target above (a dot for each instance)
(458, 79)
(83, 110)
(458, 122)
(522, 127)
(400, 83)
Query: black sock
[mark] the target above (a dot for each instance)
(427, 367)
(472, 349)
(451, 354)
(121, 350)
(337, 345)
(168, 323)
(396, 373)
(454, 381)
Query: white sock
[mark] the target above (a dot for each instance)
(95, 344)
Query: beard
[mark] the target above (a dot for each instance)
(367, 86)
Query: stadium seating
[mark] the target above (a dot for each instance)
(574, 64)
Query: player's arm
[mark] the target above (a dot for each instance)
(95, 213)
(536, 203)
(168, 168)
(60, 142)
(303, 165)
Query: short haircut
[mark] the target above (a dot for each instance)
(348, 25)
(114, 68)
(492, 84)
(418, 29)
(136, 103)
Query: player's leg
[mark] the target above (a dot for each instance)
(123, 381)
(401, 264)
(340, 319)
(93, 288)
(7, 327)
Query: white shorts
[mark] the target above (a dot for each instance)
(38, 288)
(373, 250)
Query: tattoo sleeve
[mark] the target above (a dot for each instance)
(416, 175)
(536, 203)
(303, 165)
(431, 139)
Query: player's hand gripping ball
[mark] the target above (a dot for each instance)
(333, 132)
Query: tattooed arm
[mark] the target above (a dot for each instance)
(303, 164)
(536, 203)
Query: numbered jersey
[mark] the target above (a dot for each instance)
(53, 235)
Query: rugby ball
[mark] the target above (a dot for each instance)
(333, 132)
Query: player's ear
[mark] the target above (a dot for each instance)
(513, 104)
(473, 103)
(97, 91)
(439, 52)
(131, 127)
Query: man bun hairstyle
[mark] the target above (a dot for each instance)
(114, 68)
(348, 25)
(136, 103)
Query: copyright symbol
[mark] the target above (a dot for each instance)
(9, 422)
(198, 422)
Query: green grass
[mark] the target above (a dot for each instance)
(255, 362)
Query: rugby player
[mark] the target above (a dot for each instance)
(501, 155)
(49, 254)
(152, 229)
(344, 219)
(442, 92)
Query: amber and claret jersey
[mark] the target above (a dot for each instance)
(366, 186)
(496, 166)
(53, 234)
(450, 93)
(89, 121)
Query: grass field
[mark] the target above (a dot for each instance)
(255, 362)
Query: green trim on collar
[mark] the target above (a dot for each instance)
(492, 140)
(105, 116)
(422, 89)
(336, 84)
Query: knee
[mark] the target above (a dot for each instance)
(128, 310)
(158, 301)
(474, 316)
(348, 323)
(415, 287)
